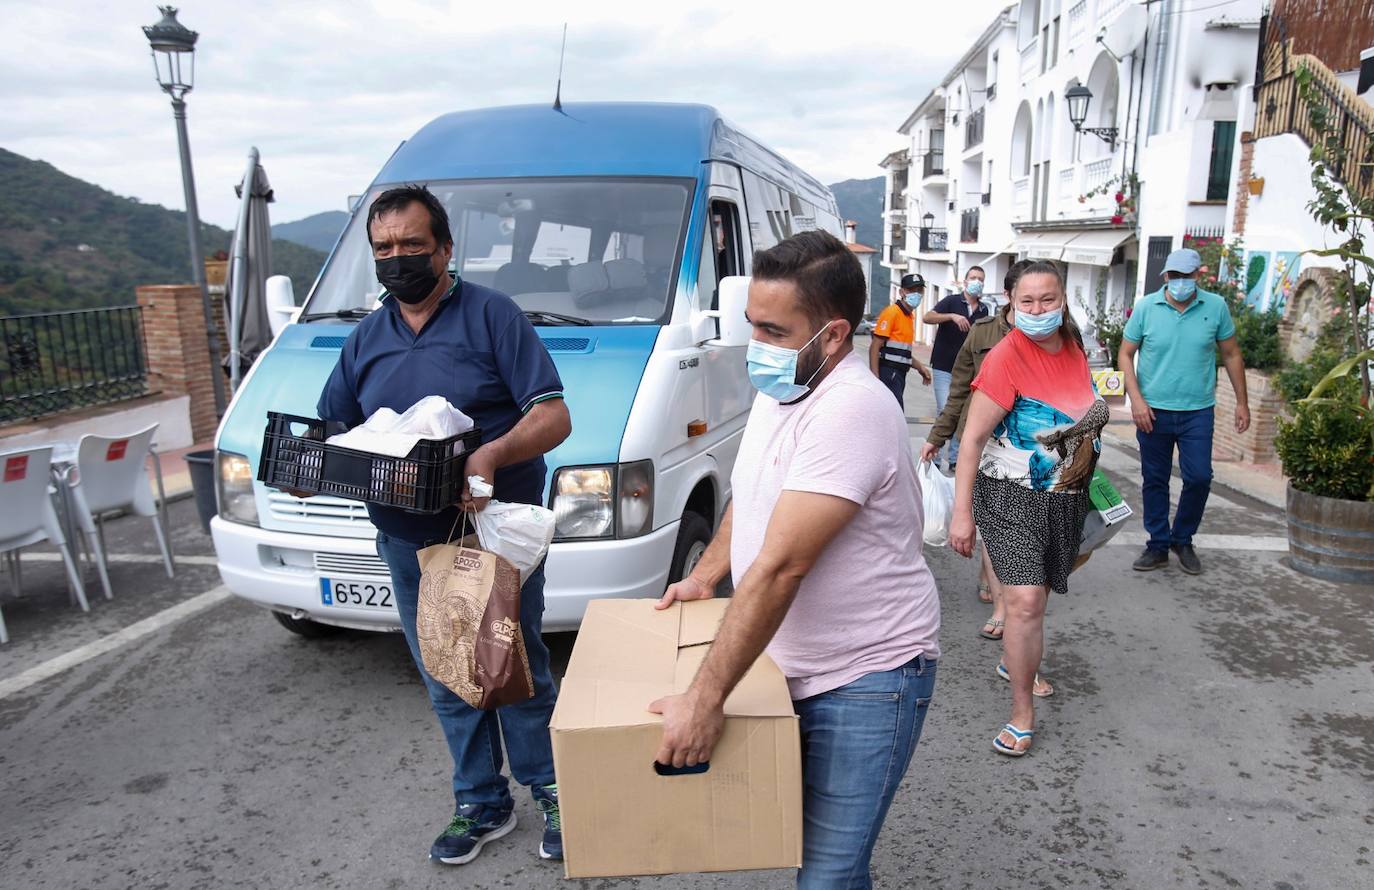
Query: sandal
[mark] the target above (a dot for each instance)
(996, 633)
(1017, 735)
(1040, 682)
(985, 595)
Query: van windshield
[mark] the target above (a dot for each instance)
(600, 250)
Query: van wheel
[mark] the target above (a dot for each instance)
(312, 630)
(693, 534)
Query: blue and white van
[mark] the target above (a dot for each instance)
(613, 226)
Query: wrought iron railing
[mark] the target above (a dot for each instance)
(1280, 109)
(973, 129)
(968, 225)
(934, 164)
(59, 361)
(934, 240)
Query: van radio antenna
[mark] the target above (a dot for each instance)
(558, 92)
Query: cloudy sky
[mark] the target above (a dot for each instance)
(327, 90)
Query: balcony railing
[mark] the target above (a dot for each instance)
(934, 240)
(934, 163)
(1078, 22)
(973, 129)
(896, 255)
(1030, 60)
(1095, 173)
(1021, 195)
(1280, 109)
(968, 225)
(1068, 184)
(60, 361)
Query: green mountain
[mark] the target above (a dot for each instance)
(68, 244)
(862, 201)
(319, 231)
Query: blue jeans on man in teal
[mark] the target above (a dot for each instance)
(474, 736)
(857, 742)
(1191, 433)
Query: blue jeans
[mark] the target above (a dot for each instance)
(1191, 433)
(895, 380)
(857, 742)
(940, 382)
(474, 736)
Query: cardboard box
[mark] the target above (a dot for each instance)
(620, 816)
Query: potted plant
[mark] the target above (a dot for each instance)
(1327, 449)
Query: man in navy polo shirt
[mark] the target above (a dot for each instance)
(1176, 333)
(955, 314)
(436, 335)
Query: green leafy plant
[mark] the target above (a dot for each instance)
(1327, 448)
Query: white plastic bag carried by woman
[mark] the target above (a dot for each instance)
(937, 499)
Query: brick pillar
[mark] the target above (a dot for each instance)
(1247, 158)
(178, 353)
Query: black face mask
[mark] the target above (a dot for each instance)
(409, 279)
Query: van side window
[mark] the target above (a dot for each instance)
(722, 246)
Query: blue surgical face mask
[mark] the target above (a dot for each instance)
(1039, 327)
(974, 287)
(1182, 289)
(913, 299)
(773, 369)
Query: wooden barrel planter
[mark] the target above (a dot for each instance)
(1331, 538)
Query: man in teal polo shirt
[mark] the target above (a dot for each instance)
(1176, 333)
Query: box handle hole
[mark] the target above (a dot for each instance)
(664, 769)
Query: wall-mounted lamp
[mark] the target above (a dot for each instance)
(1078, 98)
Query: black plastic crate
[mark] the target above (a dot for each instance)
(427, 480)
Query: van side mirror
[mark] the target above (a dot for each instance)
(281, 303)
(734, 298)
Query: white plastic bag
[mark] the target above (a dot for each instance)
(518, 533)
(937, 499)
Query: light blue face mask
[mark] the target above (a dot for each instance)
(974, 287)
(913, 299)
(1182, 289)
(773, 369)
(1039, 327)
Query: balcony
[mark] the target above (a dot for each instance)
(1021, 197)
(934, 163)
(1078, 22)
(1030, 60)
(1095, 173)
(896, 255)
(973, 129)
(968, 225)
(934, 240)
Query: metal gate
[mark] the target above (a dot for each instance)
(1156, 252)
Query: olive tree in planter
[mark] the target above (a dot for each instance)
(1327, 449)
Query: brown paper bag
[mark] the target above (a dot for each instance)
(468, 624)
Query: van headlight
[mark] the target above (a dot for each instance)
(615, 500)
(234, 483)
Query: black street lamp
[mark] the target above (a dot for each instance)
(929, 220)
(1078, 98)
(174, 61)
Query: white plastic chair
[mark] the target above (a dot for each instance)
(28, 516)
(111, 475)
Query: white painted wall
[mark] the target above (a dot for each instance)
(171, 413)
(1279, 219)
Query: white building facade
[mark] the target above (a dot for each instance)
(997, 171)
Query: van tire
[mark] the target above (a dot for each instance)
(311, 630)
(693, 534)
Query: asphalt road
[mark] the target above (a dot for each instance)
(1212, 731)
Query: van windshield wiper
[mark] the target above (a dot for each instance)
(347, 314)
(554, 319)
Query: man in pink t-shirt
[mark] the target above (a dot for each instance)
(823, 541)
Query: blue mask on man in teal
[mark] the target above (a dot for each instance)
(1182, 289)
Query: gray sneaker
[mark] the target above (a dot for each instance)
(1151, 560)
(1187, 559)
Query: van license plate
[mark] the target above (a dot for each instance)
(356, 594)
